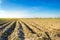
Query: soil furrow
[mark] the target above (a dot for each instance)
(29, 28)
(21, 33)
(3, 26)
(8, 32)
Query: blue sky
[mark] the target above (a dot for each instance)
(29, 8)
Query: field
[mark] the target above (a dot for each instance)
(30, 29)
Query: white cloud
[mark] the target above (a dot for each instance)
(2, 11)
(25, 14)
(12, 14)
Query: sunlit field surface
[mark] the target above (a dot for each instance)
(29, 28)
